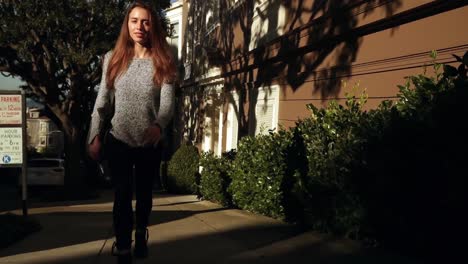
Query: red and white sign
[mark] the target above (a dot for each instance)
(10, 109)
(11, 145)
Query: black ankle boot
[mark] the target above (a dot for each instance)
(123, 256)
(141, 243)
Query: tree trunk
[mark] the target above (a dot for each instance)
(74, 178)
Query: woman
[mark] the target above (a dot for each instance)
(138, 72)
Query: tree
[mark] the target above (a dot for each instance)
(56, 48)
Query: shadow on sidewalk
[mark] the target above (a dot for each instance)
(41, 200)
(82, 232)
(62, 229)
(226, 247)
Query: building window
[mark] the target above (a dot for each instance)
(266, 111)
(174, 39)
(232, 123)
(51, 141)
(213, 120)
(43, 141)
(34, 114)
(175, 29)
(211, 130)
(235, 4)
(269, 21)
(43, 127)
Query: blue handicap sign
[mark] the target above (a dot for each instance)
(6, 159)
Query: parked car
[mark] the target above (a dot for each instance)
(46, 171)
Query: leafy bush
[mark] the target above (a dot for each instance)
(333, 142)
(182, 171)
(259, 174)
(392, 173)
(413, 186)
(214, 177)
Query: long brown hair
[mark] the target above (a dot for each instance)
(123, 53)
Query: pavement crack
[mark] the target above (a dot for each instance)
(206, 223)
(109, 235)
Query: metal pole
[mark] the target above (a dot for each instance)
(25, 156)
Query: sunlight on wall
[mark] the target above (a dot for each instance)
(269, 21)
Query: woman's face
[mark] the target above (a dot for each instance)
(139, 25)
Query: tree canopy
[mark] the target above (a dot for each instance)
(56, 48)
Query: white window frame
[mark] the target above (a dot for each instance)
(42, 141)
(43, 127)
(272, 95)
(207, 141)
(259, 27)
(232, 123)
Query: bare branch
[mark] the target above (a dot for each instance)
(35, 36)
(36, 90)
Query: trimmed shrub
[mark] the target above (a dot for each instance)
(214, 177)
(333, 143)
(259, 173)
(182, 171)
(414, 181)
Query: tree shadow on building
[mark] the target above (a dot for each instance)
(317, 43)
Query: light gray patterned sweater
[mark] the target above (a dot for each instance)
(138, 103)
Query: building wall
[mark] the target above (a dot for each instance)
(174, 14)
(380, 61)
(44, 136)
(311, 51)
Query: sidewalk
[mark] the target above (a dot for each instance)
(182, 230)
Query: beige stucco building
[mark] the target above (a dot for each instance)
(251, 66)
(43, 134)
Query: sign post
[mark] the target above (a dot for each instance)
(13, 136)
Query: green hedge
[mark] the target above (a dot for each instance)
(182, 171)
(393, 175)
(332, 141)
(413, 175)
(259, 174)
(215, 178)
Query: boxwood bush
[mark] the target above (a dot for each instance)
(333, 143)
(215, 178)
(259, 173)
(394, 174)
(413, 180)
(182, 171)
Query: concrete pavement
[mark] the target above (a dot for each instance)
(182, 230)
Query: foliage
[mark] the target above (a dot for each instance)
(258, 173)
(57, 53)
(392, 172)
(390, 175)
(215, 177)
(182, 171)
(413, 186)
(332, 141)
(416, 97)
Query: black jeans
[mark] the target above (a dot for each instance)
(127, 164)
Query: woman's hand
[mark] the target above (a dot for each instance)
(95, 148)
(152, 135)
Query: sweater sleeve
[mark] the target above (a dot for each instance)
(102, 104)
(166, 106)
